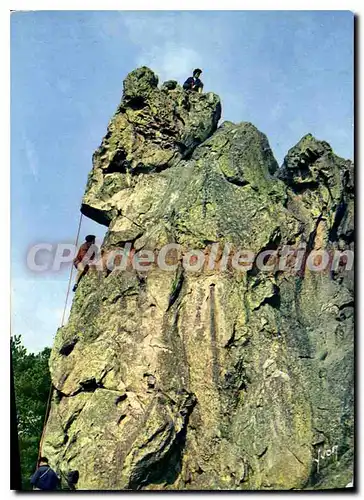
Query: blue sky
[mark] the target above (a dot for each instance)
(289, 73)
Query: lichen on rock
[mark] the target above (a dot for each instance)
(216, 379)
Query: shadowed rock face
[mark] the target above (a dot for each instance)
(218, 378)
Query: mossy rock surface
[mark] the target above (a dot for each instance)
(217, 379)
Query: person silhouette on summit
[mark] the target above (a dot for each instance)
(193, 82)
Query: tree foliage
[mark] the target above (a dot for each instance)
(32, 383)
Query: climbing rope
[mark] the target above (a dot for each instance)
(48, 407)
(45, 421)
(70, 279)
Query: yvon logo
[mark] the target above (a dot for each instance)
(324, 454)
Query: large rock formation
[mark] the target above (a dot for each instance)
(218, 378)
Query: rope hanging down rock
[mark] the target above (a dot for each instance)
(62, 323)
(70, 278)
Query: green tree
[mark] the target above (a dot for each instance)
(32, 383)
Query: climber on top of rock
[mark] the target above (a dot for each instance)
(83, 258)
(193, 82)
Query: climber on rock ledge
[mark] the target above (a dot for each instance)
(83, 258)
(193, 82)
